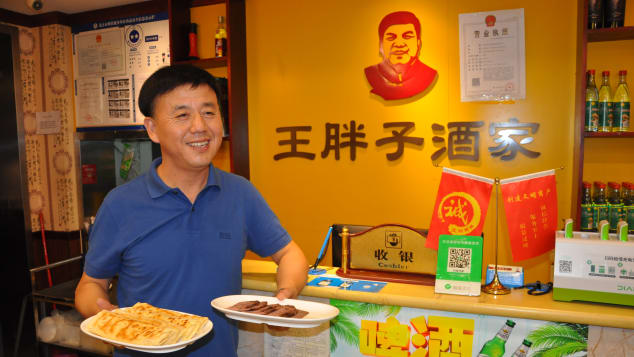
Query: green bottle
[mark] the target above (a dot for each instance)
(628, 205)
(615, 206)
(605, 104)
(621, 105)
(587, 221)
(522, 350)
(592, 104)
(495, 346)
(599, 204)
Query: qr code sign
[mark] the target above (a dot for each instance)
(565, 266)
(459, 260)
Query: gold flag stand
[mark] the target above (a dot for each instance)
(495, 287)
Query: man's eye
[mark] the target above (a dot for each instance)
(408, 36)
(390, 37)
(182, 116)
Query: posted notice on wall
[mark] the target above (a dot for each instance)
(492, 56)
(112, 60)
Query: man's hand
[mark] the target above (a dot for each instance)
(292, 271)
(105, 304)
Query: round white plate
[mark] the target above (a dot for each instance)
(317, 312)
(206, 328)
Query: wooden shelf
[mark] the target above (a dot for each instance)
(206, 62)
(593, 134)
(611, 34)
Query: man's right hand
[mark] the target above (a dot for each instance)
(105, 304)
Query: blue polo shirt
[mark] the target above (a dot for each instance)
(177, 255)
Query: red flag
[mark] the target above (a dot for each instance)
(461, 205)
(530, 203)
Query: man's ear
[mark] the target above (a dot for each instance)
(420, 44)
(150, 127)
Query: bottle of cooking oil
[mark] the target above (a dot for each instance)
(592, 103)
(621, 105)
(605, 103)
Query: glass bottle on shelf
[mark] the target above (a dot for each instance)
(522, 350)
(599, 204)
(587, 222)
(595, 14)
(614, 13)
(193, 41)
(592, 103)
(628, 205)
(220, 42)
(605, 103)
(615, 206)
(621, 121)
(495, 346)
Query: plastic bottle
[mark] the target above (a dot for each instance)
(495, 347)
(599, 204)
(522, 350)
(220, 39)
(592, 103)
(605, 103)
(615, 206)
(587, 221)
(621, 106)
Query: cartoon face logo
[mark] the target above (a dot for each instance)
(400, 74)
(461, 211)
(393, 239)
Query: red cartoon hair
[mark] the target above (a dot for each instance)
(398, 18)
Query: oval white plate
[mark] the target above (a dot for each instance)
(317, 312)
(206, 328)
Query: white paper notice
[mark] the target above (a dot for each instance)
(89, 101)
(48, 122)
(492, 56)
(100, 52)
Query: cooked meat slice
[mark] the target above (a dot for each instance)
(244, 305)
(284, 311)
(258, 306)
(299, 314)
(266, 310)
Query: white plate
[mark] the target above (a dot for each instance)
(317, 312)
(206, 328)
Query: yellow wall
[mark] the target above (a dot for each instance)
(305, 67)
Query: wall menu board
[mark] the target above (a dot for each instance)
(112, 60)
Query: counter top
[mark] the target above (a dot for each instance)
(260, 275)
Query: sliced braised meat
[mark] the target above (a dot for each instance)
(263, 308)
(244, 306)
(284, 311)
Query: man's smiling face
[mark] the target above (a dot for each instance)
(400, 43)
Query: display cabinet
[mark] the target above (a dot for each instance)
(601, 156)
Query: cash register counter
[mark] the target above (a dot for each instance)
(260, 275)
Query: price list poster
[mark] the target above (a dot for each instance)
(492, 56)
(46, 69)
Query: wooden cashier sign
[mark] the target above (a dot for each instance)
(388, 252)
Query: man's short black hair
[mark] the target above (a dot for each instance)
(168, 78)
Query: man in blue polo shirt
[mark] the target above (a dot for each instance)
(176, 235)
